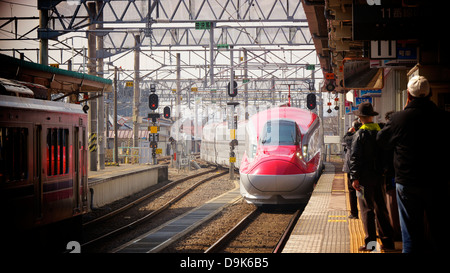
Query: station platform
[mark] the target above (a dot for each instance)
(324, 226)
(116, 182)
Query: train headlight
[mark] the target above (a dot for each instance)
(299, 155)
(305, 151)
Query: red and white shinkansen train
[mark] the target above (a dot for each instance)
(43, 160)
(279, 151)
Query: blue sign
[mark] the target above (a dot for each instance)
(371, 93)
(407, 53)
(360, 100)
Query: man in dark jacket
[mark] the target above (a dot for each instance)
(348, 138)
(417, 135)
(366, 173)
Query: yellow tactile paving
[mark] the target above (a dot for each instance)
(355, 227)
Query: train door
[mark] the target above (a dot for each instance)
(38, 173)
(83, 170)
(76, 170)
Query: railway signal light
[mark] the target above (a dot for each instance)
(311, 101)
(232, 93)
(167, 112)
(153, 101)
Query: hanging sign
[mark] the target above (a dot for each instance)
(371, 93)
(360, 100)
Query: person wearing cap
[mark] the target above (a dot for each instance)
(417, 135)
(366, 170)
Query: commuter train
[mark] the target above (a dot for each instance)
(43, 168)
(279, 151)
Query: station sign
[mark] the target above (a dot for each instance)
(371, 93)
(349, 109)
(407, 52)
(383, 49)
(203, 25)
(390, 20)
(360, 100)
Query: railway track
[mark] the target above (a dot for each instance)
(149, 207)
(260, 231)
(142, 199)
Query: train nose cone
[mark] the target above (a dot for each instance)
(275, 167)
(275, 176)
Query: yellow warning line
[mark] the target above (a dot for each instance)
(355, 226)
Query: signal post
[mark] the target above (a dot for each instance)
(153, 102)
(232, 119)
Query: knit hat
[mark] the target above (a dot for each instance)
(418, 86)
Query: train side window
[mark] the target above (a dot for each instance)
(13, 154)
(57, 151)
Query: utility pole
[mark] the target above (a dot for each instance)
(92, 113)
(211, 55)
(178, 116)
(43, 42)
(100, 100)
(136, 94)
(116, 149)
(246, 84)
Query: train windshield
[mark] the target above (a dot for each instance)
(280, 132)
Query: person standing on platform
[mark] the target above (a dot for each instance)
(347, 149)
(389, 183)
(366, 174)
(421, 162)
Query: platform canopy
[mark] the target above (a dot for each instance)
(55, 79)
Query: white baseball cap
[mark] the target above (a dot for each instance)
(419, 87)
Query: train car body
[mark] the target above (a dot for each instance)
(282, 159)
(43, 162)
(279, 151)
(215, 145)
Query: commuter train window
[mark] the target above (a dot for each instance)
(13, 154)
(280, 132)
(57, 151)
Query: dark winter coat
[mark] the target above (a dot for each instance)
(366, 157)
(420, 142)
(347, 144)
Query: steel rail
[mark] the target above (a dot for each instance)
(143, 198)
(232, 233)
(153, 213)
